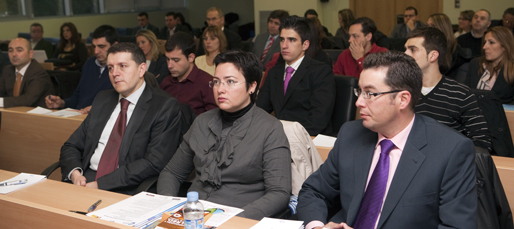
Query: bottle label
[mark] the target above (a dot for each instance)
(193, 224)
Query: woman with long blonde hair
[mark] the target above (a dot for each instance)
(494, 70)
(155, 61)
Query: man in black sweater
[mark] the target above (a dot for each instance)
(473, 40)
(443, 99)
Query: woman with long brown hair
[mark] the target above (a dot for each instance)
(71, 48)
(494, 70)
(214, 43)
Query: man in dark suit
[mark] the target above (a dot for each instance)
(266, 44)
(410, 19)
(172, 27)
(37, 42)
(215, 17)
(103, 153)
(393, 168)
(300, 89)
(24, 82)
(144, 23)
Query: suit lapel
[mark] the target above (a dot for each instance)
(362, 160)
(135, 121)
(299, 74)
(410, 162)
(277, 85)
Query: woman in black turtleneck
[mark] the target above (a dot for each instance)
(240, 154)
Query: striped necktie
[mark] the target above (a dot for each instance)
(267, 48)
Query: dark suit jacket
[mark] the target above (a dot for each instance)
(36, 84)
(400, 30)
(47, 46)
(501, 88)
(433, 186)
(164, 34)
(233, 42)
(260, 45)
(309, 99)
(150, 27)
(159, 69)
(151, 137)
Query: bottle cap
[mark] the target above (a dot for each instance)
(192, 196)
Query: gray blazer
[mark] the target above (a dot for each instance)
(400, 30)
(259, 45)
(247, 165)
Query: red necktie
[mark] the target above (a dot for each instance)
(17, 85)
(267, 49)
(110, 156)
(289, 72)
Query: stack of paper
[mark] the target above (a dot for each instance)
(324, 140)
(145, 209)
(18, 182)
(270, 223)
(65, 113)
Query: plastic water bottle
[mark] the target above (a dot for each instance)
(193, 212)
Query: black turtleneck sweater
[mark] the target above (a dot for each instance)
(228, 118)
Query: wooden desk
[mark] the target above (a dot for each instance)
(31, 142)
(510, 120)
(48, 202)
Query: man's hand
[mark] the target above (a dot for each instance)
(54, 101)
(92, 184)
(85, 110)
(411, 24)
(77, 178)
(333, 225)
(357, 50)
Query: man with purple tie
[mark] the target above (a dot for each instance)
(299, 88)
(393, 168)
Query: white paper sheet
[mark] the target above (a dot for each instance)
(65, 113)
(31, 179)
(39, 110)
(271, 223)
(324, 140)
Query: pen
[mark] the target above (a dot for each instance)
(83, 213)
(14, 182)
(49, 97)
(93, 207)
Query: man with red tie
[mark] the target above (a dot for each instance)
(130, 133)
(266, 44)
(394, 168)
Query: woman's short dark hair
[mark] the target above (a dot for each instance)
(403, 73)
(247, 63)
(137, 54)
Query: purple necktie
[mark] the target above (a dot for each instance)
(289, 71)
(374, 195)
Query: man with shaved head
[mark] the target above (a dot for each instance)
(24, 82)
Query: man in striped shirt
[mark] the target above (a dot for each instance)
(443, 99)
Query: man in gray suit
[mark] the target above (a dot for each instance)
(393, 168)
(410, 19)
(130, 133)
(266, 44)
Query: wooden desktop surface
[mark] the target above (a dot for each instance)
(46, 205)
(510, 120)
(31, 142)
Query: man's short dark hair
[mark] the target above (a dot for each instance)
(143, 14)
(246, 62)
(509, 11)
(110, 33)
(137, 54)
(278, 14)
(403, 73)
(299, 25)
(311, 12)
(412, 8)
(37, 24)
(434, 41)
(181, 41)
(170, 14)
(368, 26)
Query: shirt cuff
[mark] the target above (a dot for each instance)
(313, 224)
(69, 174)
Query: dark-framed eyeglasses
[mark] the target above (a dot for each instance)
(369, 95)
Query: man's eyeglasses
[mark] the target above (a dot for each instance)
(369, 95)
(229, 83)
